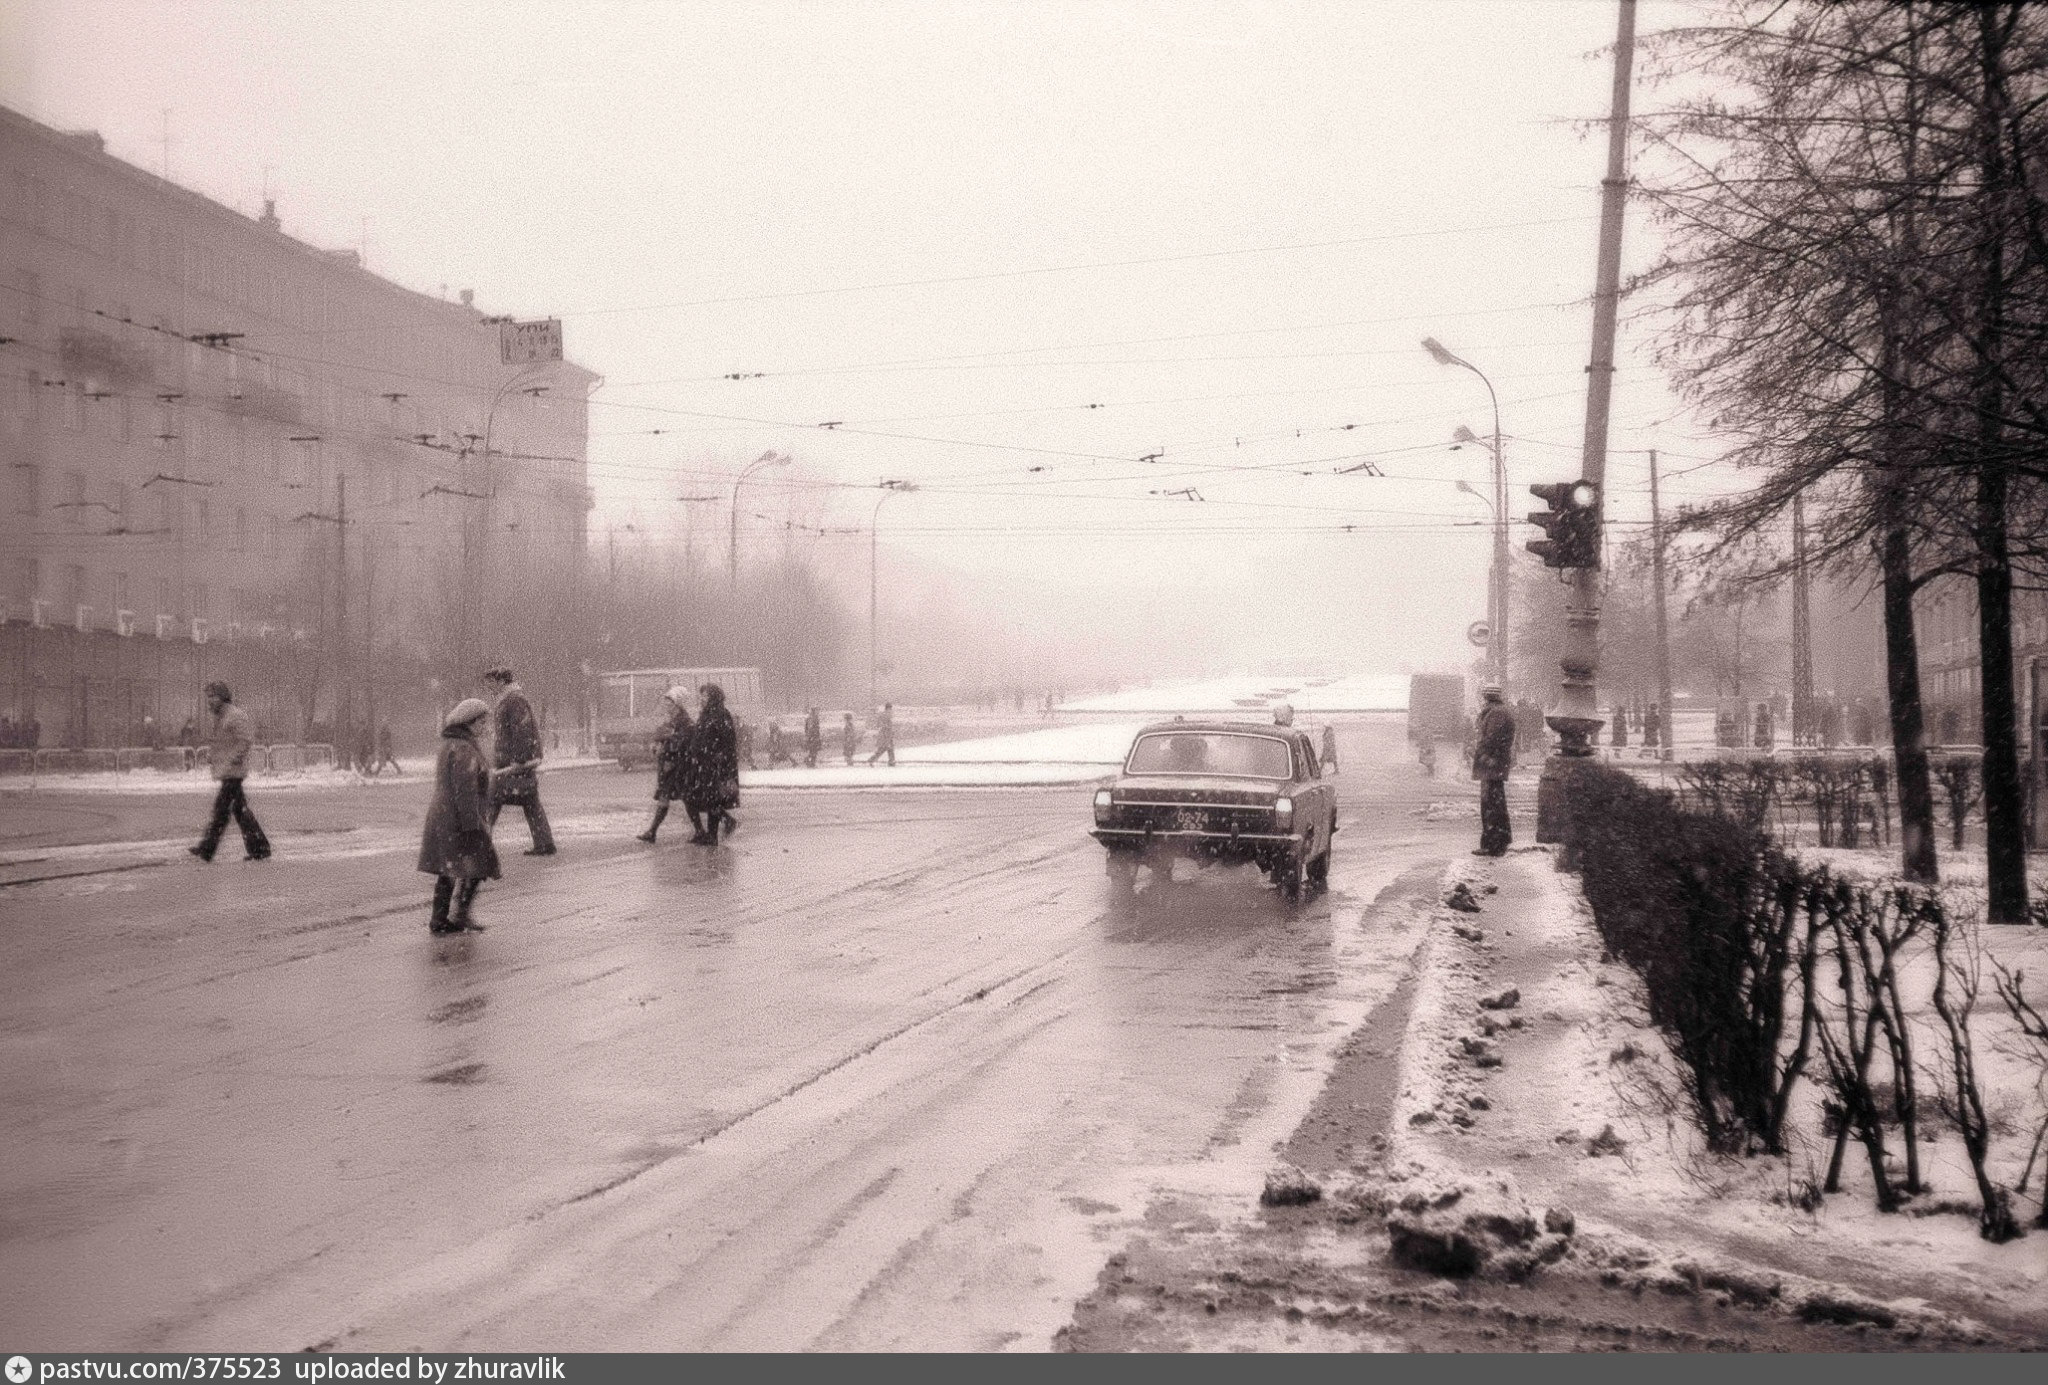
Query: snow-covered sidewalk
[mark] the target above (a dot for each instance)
(1529, 1060)
(1057, 755)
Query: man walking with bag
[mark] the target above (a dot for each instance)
(230, 739)
(516, 755)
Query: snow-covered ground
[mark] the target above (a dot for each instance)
(1310, 697)
(1567, 1094)
(1075, 754)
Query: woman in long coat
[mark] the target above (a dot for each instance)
(671, 762)
(713, 768)
(455, 846)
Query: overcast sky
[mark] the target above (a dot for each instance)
(1010, 249)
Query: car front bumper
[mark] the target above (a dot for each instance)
(1124, 837)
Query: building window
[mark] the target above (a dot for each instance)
(74, 588)
(28, 488)
(270, 545)
(28, 580)
(74, 499)
(202, 601)
(121, 510)
(121, 592)
(202, 523)
(170, 514)
(74, 407)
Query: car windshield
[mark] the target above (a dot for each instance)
(1209, 752)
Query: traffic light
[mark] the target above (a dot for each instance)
(1571, 526)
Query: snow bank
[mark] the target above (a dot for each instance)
(1310, 697)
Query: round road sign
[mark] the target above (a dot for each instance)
(1479, 632)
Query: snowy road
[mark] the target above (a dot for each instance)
(887, 1070)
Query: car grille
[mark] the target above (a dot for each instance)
(1189, 817)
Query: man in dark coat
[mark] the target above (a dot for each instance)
(713, 772)
(885, 735)
(849, 737)
(671, 763)
(814, 739)
(1492, 758)
(516, 754)
(230, 741)
(455, 844)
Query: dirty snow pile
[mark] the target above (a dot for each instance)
(1539, 1123)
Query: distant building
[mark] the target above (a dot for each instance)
(1849, 659)
(191, 403)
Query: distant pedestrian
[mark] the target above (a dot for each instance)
(365, 749)
(885, 735)
(713, 773)
(1653, 727)
(849, 737)
(743, 733)
(778, 747)
(231, 737)
(188, 734)
(671, 762)
(384, 755)
(516, 755)
(1329, 747)
(814, 739)
(152, 734)
(1283, 714)
(455, 844)
(1491, 761)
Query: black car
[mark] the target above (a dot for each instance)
(1223, 791)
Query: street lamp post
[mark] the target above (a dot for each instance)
(732, 561)
(890, 489)
(1497, 602)
(477, 575)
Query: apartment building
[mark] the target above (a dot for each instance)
(225, 452)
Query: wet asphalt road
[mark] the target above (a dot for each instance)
(888, 1070)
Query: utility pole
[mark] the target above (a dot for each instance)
(1664, 750)
(1577, 719)
(1802, 631)
(343, 684)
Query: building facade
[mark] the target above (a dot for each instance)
(227, 453)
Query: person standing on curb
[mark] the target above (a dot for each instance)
(714, 767)
(455, 844)
(885, 735)
(516, 754)
(230, 740)
(384, 755)
(1329, 747)
(814, 739)
(1492, 758)
(849, 737)
(671, 764)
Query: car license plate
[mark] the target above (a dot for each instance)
(1190, 820)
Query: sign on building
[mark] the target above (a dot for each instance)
(523, 343)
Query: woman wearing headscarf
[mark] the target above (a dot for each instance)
(671, 761)
(455, 846)
(714, 767)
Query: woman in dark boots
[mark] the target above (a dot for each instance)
(455, 846)
(671, 760)
(714, 767)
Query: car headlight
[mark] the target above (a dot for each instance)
(1283, 812)
(1103, 800)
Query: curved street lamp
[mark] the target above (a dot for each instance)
(770, 458)
(1498, 587)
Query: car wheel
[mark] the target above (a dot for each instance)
(1291, 876)
(1319, 870)
(1123, 871)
